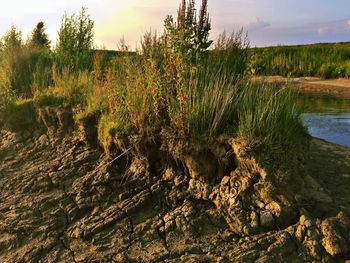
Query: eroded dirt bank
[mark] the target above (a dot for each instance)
(63, 200)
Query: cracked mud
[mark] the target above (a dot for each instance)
(63, 200)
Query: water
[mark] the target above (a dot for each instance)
(326, 118)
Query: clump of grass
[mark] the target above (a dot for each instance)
(206, 105)
(19, 115)
(268, 116)
(43, 100)
(75, 87)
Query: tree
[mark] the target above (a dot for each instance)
(12, 40)
(39, 38)
(75, 41)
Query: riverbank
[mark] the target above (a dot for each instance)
(329, 165)
(64, 201)
(338, 88)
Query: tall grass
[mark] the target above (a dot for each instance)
(206, 104)
(266, 112)
(162, 95)
(323, 60)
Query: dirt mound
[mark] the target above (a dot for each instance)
(64, 200)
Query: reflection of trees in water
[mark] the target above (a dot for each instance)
(322, 104)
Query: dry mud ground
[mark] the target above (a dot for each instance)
(64, 201)
(339, 88)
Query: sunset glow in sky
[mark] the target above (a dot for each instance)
(269, 22)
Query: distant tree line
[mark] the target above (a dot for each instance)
(26, 66)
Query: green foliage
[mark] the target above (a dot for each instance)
(172, 91)
(231, 53)
(6, 98)
(39, 38)
(269, 113)
(347, 69)
(12, 40)
(328, 71)
(75, 40)
(19, 115)
(323, 60)
(74, 87)
(44, 100)
(189, 36)
(205, 107)
(24, 68)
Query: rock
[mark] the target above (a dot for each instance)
(254, 220)
(266, 220)
(169, 174)
(43, 140)
(334, 231)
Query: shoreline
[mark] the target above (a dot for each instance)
(320, 140)
(337, 88)
(329, 164)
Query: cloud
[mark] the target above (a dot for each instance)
(323, 30)
(348, 24)
(257, 24)
(129, 21)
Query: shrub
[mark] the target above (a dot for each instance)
(74, 44)
(347, 69)
(340, 71)
(189, 36)
(24, 69)
(328, 71)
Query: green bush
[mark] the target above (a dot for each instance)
(340, 71)
(23, 68)
(75, 40)
(328, 71)
(347, 69)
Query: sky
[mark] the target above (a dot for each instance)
(268, 22)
